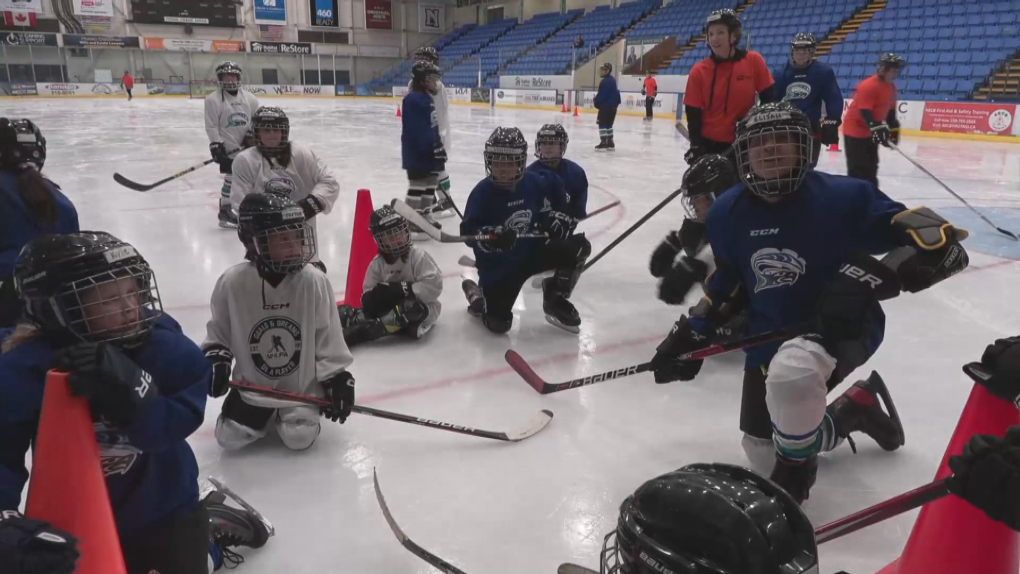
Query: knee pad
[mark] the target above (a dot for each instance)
(760, 452)
(298, 427)
(232, 435)
(796, 386)
(495, 324)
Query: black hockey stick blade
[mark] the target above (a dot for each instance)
(537, 423)
(433, 560)
(882, 511)
(143, 187)
(466, 261)
(568, 568)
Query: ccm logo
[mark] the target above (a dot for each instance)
(763, 232)
(860, 274)
(276, 306)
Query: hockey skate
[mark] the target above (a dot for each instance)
(860, 410)
(476, 302)
(610, 145)
(227, 216)
(796, 477)
(603, 145)
(418, 235)
(231, 527)
(357, 328)
(558, 310)
(444, 206)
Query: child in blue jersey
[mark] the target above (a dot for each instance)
(794, 242)
(93, 309)
(421, 149)
(606, 101)
(30, 204)
(808, 83)
(511, 201)
(550, 147)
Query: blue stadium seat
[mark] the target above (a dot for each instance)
(913, 85)
(964, 71)
(965, 86)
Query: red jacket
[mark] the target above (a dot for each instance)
(651, 87)
(128, 81)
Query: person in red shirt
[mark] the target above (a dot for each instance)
(721, 89)
(871, 119)
(651, 87)
(127, 82)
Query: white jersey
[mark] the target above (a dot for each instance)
(306, 175)
(442, 103)
(417, 268)
(228, 118)
(286, 337)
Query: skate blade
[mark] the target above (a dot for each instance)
(568, 328)
(227, 225)
(219, 486)
(877, 384)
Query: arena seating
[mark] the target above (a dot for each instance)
(400, 74)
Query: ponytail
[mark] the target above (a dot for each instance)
(36, 194)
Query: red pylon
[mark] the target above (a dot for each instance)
(563, 108)
(363, 249)
(398, 111)
(834, 147)
(575, 111)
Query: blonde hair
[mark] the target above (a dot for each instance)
(23, 333)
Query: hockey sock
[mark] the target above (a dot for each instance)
(415, 190)
(609, 133)
(228, 181)
(830, 435)
(444, 183)
(603, 133)
(799, 447)
(215, 556)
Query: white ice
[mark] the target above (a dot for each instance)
(499, 508)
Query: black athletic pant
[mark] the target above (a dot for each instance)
(861, 158)
(10, 305)
(179, 546)
(128, 93)
(649, 104)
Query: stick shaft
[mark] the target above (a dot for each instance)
(632, 228)
(882, 511)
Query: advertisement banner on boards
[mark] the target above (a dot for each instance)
(76, 89)
(481, 95)
(21, 6)
(280, 47)
(378, 15)
(399, 91)
(28, 39)
(289, 90)
(536, 82)
(968, 118)
(431, 17)
(526, 98)
(93, 7)
(270, 12)
(89, 41)
(182, 45)
(324, 13)
(458, 94)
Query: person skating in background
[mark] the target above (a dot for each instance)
(228, 113)
(871, 119)
(128, 83)
(444, 203)
(649, 89)
(550, 147)
(606, 101)
(421, 147)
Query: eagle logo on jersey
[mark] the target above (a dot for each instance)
(275, 346)
(520, 221)
(280, 185)
(798, 91)
(776, 267)
(237, 120)
(116, 455)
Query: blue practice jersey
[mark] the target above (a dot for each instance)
(420, 134)
(808, 87)
(16, 225)
(783, 255)
(150, 470)
(608, 96)
(522, 209)
(575, 182)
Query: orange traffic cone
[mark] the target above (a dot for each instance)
(398, 111)
(363, 249)
(575, 111)
(67, 488)
(834, 147)
(563, 108)
(950, 536)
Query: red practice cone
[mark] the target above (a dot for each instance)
(563, 108)
(67, 488)
(363, 249)
(951, 536)
(575, 111)
(398, 111)
(834, 147)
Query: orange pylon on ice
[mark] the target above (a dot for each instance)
(834, 147)
(575, 111)
(398, 111)
(563, 108)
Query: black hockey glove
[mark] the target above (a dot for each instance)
(503, 239)
(880, 133)
(665, 254)
(34, 547)
(311, 205)
(382, 298)
(221, 359)
(987, 475)
(340, 392)
(682, 339)
(693, 154)
(999, 369)
(932, 250)
(116, 388)
(692, 236)
(830, 131)
(559, 225)
(439, 153)
(219, 153)
(680, 279)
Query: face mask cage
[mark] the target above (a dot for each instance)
(285, 249)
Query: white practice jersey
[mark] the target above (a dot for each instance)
(227, 118)
(306, 175)
(417, 268)
(442, 103)
(286, 337)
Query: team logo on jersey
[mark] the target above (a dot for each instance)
(520, 221)
(281, 185)
(237, 120)
(798, 91)
(275, 346)
(776, 267)
(434, 119)
(116, 455)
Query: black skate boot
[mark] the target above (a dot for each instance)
(357, 328)
(231, 527)
(443, 207)
(859, 410)
(228, 218)
(476, 302)
(603, 145)
(610, 144)
(558, 310)
(796, 477)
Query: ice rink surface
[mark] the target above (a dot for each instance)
(501, 508)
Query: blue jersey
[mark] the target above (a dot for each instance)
(783, 255)
(522, 209)
(17, 226)
(608, 96)
(420, 134)
(150, 470)
(808, 87)
(575, 182)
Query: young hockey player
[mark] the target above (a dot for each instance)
(722, 87)
(228, 114)
(444, 206)
(421, 149)
(281, 166)
(808, 83)
(550, 147)
(276, 316)
(510, 201)
(793, 241)
(606, 101)
(871, 119)
(30, 204)
(92, 308)
(401, 289)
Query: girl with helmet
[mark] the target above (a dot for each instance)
(422, 153)
(276, 316)
(228, 114)
(606, 101)
(30, 205)
(550, 147)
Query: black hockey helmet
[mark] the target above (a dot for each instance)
(710, 519)
(554, 134)
(390, 231)
(801, 41)
(87, 286)
(275, 233)
(270, 118)
(21, 144)
(505, 145)
(422, 71)
(727, 17)
(229, 68)
(427, 53)
(773, 148)
(606, 69)
(705, 180)
(891, 61)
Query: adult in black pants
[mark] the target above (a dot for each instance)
(871, 119)
(606, 101)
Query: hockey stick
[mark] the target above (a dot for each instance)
(568, 568)
(433, 560)
(142, 187)
(882, 511)
(1009, 234)
(416, 219)
(682, 129)
(517, 362)
(632, 229)
(538, 423)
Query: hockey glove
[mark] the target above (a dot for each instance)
(559, 225)
(340, 392)
(221, 359)
(999, 369)
(987, 475)
(311, 205)
(116, 388)
(219, 152)
(665, 254)
(680, 279)
(34, 547)
(830, 131)
(682, 339)
(880, 133)
(932, 250)
(382, 298)
(693, 154)
(503, 239)
(439, 153)
(692, 236)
